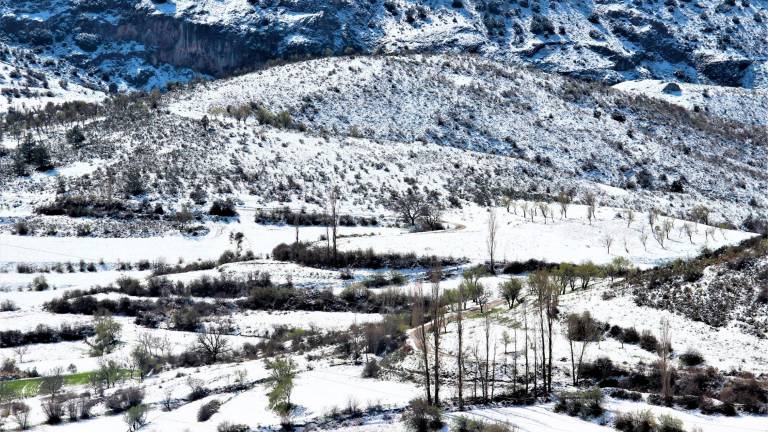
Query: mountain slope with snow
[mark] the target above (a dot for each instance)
(146, 43)
(464, 127)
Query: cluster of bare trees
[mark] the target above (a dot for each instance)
(428, 322)
(481, 367)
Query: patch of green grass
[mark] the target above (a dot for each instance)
(31, 386)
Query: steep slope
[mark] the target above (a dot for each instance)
(146, 43)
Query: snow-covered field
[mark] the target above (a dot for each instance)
(572, 239)
(746, 106)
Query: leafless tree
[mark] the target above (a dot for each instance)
(584, 330)
(544, 208)
(547, 297)
(460, 350)
(607, 241)
(167, 400)
(296, 219)
(665, 369)
(333, 217)
(688, 230)
(668, 225)
(630, 217)
(486, 361)
(564, 200)
(591, 201)
(491, 241)
(438, 318)
(658, 235)
(506, 201)
(420, 335)
(710, 232)
(527, 344)
(644, 239)
(20, 352)
(524, 207)
(20, 412)
(653, 214)
(514, 361)
(154, 345)
(212, 341)
(482, 296)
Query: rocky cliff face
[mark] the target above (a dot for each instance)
(144, 43)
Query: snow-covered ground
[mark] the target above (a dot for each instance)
(261, 322)
(260, 239)
(743, 105)
(571, 239)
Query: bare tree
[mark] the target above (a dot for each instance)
(644, 239)
(524, 207)
(607, 241)
(408, 205)
(460, 351)
(154, 345)
(584, 330)
(333, 216)
(591, 201)
(212, 341)
(506, 201)
(547, 296)
(710, 232)
(653, 214)
(630, 217)
(482, 296)
(420, 335)
(544, 208)
(688, 230)
(514, 361)
(564, 200)
(700, 214)
(20, 352)
(668, 225)
(527, 344)
(665, 369)
(437, 322)
(491, 241)
(658, 235)
(486, 361)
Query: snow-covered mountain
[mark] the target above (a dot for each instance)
(148, 43)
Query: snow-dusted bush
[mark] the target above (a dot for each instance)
(207, 410)
(223, 208)
(422, 417)
(136, 417)
(691, 357)
(371, 369)
(123, 399)
(648, 341)
(232, 427)
(584, 404)
(87, 41)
